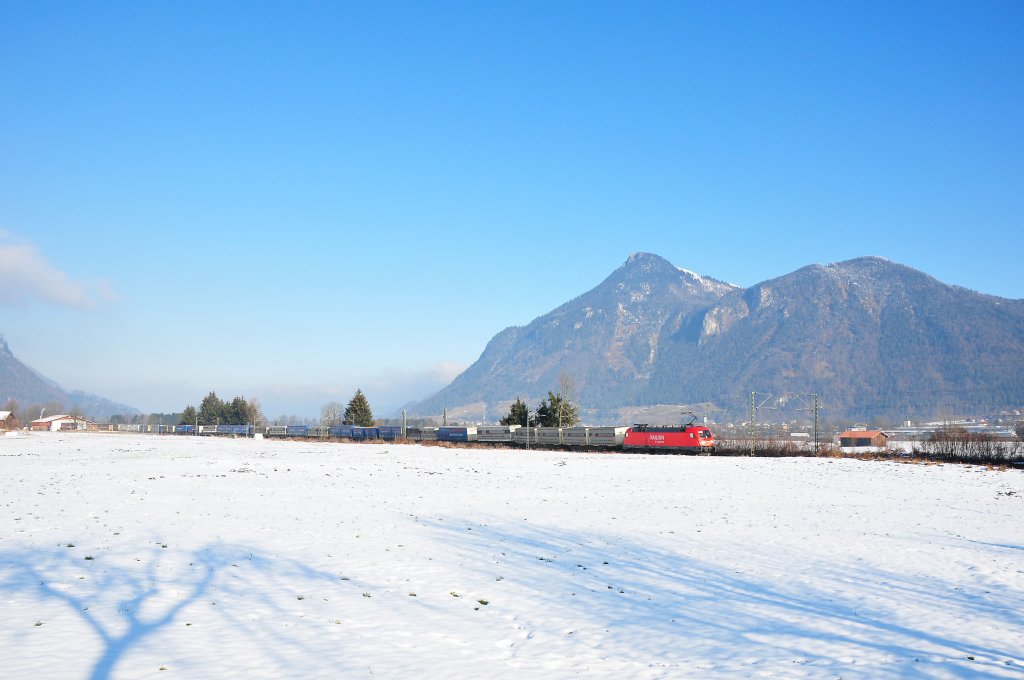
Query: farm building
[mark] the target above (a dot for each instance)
(859, 438)
(58, 423)
(7, 420)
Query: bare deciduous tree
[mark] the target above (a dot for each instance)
(332, 413)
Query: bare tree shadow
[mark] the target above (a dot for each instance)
(149, 599)
(617, 583)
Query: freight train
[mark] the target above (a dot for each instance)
(685, 438)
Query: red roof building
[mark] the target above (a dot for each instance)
(858, 438)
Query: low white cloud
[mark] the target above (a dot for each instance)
(26, 277)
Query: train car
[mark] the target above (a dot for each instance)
(340, 431)
(612, 437)
(390, 432)
(277, 431)
(296, 430)
(672, 438)
(456, 434)
(576, 436)
(496, 433)
(233, 430)
(317, 431)
(525, 435)
(550, 436)
(365, 432)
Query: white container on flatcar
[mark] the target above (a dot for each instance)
(552, 436)
(607, 436)
(576, 436)
(521, 434)
(495, 433)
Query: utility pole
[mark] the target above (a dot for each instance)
(404, 424)
(813, 407)
(753, 429)
(815, 397)
(753, 415)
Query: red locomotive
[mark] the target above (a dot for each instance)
(688, 438)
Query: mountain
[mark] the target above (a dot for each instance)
(868, 335)
(606, 340)
(29, 388)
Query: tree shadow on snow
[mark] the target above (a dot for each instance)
(671, 605)
(152, 593)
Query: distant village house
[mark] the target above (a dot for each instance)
(58, 424)
(7, 420)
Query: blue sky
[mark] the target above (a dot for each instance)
(292, 200)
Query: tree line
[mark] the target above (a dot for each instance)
(215, 411)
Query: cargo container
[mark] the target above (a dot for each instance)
(277, 431)
(340, 431)
(550, 436)
(576, 436)
(296, 430)
(525, 435)
(495, 433)
(318, 431)
(428, 434)
(390, 432)
(365, 432)
(456, 434)
(607, 436)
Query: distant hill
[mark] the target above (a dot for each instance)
(29, 388)
(868, 335)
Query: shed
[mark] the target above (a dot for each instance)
(859, 438)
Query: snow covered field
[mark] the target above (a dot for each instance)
(130, 556)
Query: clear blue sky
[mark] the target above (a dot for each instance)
(292, 200)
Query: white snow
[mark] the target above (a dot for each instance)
(707, 283)
(270, 559)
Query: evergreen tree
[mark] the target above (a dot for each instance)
(211, 410)
(557, 411)
(188, 416)
(358, 411)
(518, 414)
(237, 412)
